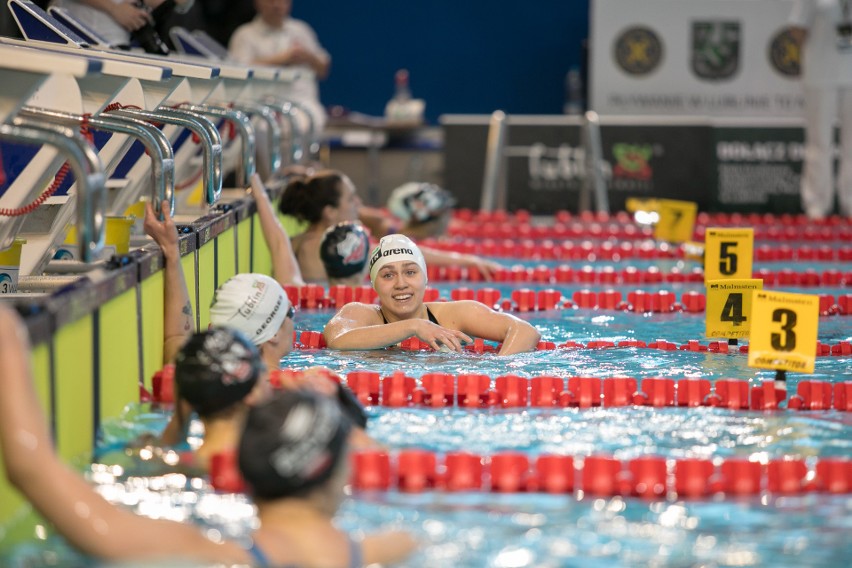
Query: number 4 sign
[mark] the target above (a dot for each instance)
(729, 306)
(783, 331)
(728, 253)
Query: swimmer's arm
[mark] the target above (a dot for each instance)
(387, 547)
(285, 268)
(61, 495)
(435, 257)
(479, 320)
(178, 320)
(355, 326)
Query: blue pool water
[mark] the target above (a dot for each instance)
(520, 530)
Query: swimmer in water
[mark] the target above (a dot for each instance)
(292, 454)
(398, 274)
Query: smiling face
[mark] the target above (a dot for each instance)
(400, 286)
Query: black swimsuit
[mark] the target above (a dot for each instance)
(428, 313)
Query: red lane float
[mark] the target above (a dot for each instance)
(649, 477)
(528, 300)
(477, 391)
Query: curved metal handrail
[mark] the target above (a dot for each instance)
(267, 115)
(155, 142)
(245, 128)
(211, 146)
(87, 169)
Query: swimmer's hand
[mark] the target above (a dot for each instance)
(440, 338)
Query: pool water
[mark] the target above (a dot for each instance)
(480, 529)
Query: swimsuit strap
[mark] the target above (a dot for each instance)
(431, 316)
(429, 313)
(356, 554)
(259, 558)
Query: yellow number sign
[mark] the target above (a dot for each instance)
(729, 306)
(677, 219)
(783, 331)
(728, 253)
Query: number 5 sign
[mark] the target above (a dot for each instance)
(783, 331)
(728, 253)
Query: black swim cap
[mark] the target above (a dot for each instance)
(292, 443)
(217, 368)
(344, 249)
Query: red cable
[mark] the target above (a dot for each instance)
(61, 174)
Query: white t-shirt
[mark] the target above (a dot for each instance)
(257, 39)
(101, 22)
(823, 64)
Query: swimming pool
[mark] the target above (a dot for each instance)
(480, 528)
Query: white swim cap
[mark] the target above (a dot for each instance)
(420, 202)
(255, 304)
(394, 248)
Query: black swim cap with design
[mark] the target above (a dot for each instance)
(292, 443)
(217, 368)
(345, 249)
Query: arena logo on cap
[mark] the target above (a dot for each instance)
(389, 252)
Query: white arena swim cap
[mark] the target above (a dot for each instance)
(394, 248)
(255, 304)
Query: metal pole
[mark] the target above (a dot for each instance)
(594, 179)
(494, 183)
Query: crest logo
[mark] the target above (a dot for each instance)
(638, 51)
(715, 49)
(785, 54)
(632, 161)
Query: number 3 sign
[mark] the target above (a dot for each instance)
(783, 331)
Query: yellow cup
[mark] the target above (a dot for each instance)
(116, 239)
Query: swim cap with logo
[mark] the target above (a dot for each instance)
(255, 304)
(216, 368)
(345, 249)
(394, 248)
(419, 202)
(291, 443)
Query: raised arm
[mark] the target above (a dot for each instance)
(178, 321)
(285, 268)
(356, 326)
(479, 320)
(435, 257)
(62, 496)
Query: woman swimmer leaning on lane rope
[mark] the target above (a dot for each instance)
(283, 441)
(398, 274)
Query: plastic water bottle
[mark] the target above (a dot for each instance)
(402, 109)
(402, 92)
(573, 92)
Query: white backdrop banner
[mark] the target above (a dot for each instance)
(719, 58)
